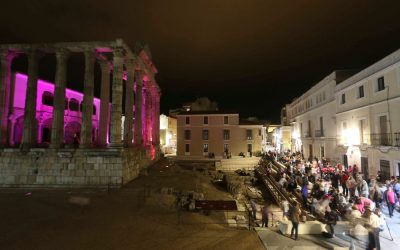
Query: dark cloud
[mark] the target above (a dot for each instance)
(249, 55)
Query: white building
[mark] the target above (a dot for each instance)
(353, 120)
(312, 117)
(168, 134)
(368, 117)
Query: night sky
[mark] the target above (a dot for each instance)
(252, 56)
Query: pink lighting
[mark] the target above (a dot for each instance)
(44, 112)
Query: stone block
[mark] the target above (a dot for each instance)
(39, 179)
(49, 179)
(31, 179)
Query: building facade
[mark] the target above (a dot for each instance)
(368, 118)
(168, 134)
(312, 117)
(352, 118)
(204, 133)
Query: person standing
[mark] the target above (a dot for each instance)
(343, 181)
(391, 199)
(364, 189)
(304, 195)
(373, 225)
(264, 215)
(295, 218)
(331, 218)
(351, 185)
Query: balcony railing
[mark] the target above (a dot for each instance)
(307, 134)
(396, 140)
(381, 139)
(319, 133)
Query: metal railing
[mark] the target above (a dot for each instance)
(396, 139)
(381, 139)
(319, 133)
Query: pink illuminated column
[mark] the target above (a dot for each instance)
(117, 91)
(104, 103)
(87, 105)
(129, 99)
(57, 129)
(154, 115)
(6, 58)
(147, 114)
(157, 108)
(138, 108)
(29, 136)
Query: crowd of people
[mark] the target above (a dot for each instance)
(337, 192)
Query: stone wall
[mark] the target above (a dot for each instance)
(72, 167)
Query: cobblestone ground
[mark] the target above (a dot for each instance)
(137, 216)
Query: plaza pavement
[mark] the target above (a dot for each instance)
(274, 240)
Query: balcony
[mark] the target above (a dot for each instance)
(319, 133)
(396, 140)
(382, 139)
(307, 134)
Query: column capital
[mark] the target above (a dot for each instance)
(130, 63)
(105, 66)
(62, 53)
(90, 53)
(34, 52)
(6, 56)
(119, 52)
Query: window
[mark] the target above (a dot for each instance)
(249, 134)
(187, 134)
(73, 104)
(187, 120)
(205, 148)
(381, 84)
(259, 132)
(94, 110)
(187, 148)
(226, 147)
(205, 120)
(361, 91)
(226, 119)
(47, 98)
(343, 100)
(205, 134)
(227, 134)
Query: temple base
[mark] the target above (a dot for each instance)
(40, 167)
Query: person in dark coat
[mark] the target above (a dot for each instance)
(295, 218)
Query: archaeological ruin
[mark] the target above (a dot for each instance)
(52, 136)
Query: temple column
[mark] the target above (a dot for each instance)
(117, 91)
(5, 87)
(153, 116)
(87, 105)
(57, 129)
(145, 115)
(129, 99)
(104, 103)
(11, 132)
(157, 107)
(29, 136)
(138, 109)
